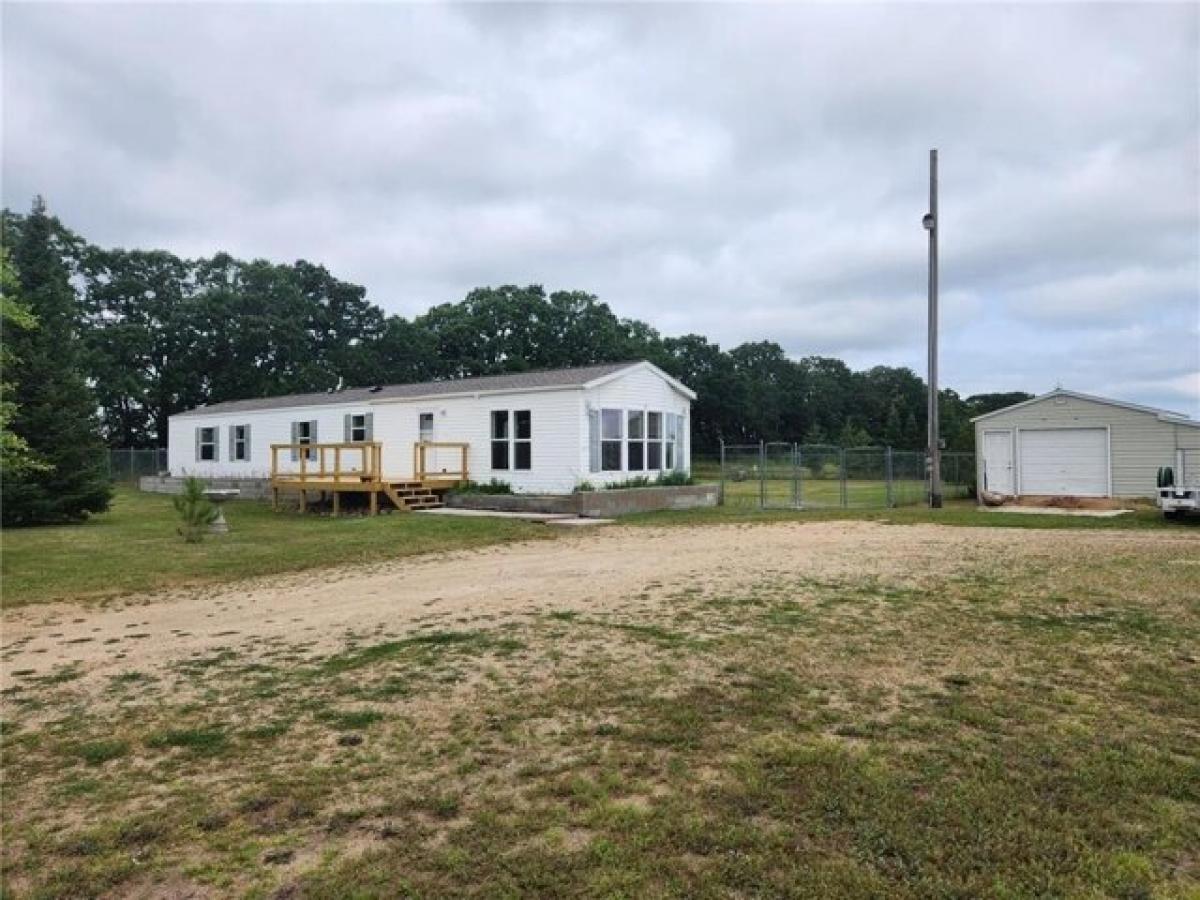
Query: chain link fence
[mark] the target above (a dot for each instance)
(128, 464)
(781, 475)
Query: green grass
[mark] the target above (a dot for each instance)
(1012, 724)
(134, 547)
(961, 513)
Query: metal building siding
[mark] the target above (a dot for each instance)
(1140, 442)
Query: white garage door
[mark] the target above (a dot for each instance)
(1065, 461)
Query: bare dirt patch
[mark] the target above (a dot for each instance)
(598, 571)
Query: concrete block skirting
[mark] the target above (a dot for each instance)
(251, 488)
(593, 504)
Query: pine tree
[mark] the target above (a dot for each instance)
(55, 412)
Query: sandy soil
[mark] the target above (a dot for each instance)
(593, 570)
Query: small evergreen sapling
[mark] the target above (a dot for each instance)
(195, 511)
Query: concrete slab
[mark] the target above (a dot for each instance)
(494, 514)
(1051, 511)
(563, 519)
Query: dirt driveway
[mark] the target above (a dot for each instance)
(602, 569)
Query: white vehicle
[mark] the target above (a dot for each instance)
(1179, 487)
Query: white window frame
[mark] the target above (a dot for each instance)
(509, 440)
(635, 444)
(518, 441)
(654, 443)
(211, 443)
(606, 437)
(241, 443)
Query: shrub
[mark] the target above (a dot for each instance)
(830, 470)
(584, 487)
(675, 479)
(196, 512)
(495, 486)
(663, 479)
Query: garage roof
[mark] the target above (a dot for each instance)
(1164, 415)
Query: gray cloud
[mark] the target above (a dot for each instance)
(743, 171)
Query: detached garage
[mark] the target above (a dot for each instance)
(1065, 444)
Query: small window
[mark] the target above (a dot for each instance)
(305, 434)
(522, 440)
(358, 428)
(208, 444)
(500, 433)
(610, 440)
(241, 443)
(426, 426)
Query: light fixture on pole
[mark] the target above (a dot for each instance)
(930, 222)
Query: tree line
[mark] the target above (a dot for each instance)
(147, 334)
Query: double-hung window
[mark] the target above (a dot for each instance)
(610, 439)
(206, 444)
(358, 428)
(522, 440)
(304, 433)
(635, 451)
(512, 439)
(654, 446)
(670, 445)
(239, 443)
(500, 439)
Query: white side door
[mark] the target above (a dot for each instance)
(998, 462)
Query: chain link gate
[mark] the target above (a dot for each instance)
(782, 475)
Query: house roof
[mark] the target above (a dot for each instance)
(1164, 415)
(545, 379)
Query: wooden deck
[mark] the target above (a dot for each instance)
(357, 468)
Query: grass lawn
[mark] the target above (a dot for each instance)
(135, 547)
(1012, 723)
(965, 513)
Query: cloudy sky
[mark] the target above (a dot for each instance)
(740, 171)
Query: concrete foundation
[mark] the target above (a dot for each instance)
(593, 504)
(249, 488)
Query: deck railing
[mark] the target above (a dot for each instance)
(358, 461)
(423, 471)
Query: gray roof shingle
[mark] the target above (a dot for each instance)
(546, 378)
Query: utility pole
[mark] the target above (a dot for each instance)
(935, 448)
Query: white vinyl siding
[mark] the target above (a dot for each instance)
(564, 429)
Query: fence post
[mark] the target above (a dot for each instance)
(795, 478)
(845, 497)
(799, 476)
(762, 474)
(721, 488)
(888, 475)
